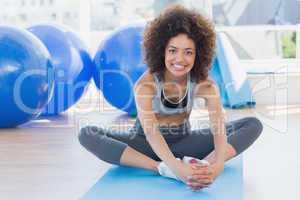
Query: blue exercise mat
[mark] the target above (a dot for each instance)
(126, 183)
(231, 78)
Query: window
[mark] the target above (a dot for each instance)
(33, 3)
(256, 12)
(23, 17)
(67, 15)
(54, 16)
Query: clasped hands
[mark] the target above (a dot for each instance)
(197, 175)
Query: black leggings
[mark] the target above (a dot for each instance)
(108, 145)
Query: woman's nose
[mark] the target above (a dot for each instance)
(179, 57)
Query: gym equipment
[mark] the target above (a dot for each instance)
(25, 85)
(231, 78)
(119, 64)
(132, 183)
(71, 62)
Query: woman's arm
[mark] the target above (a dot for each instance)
(210, 92)
(144, 92)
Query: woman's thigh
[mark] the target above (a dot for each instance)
(135, 141)
(199, 143)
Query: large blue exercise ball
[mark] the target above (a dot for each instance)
(119, 63)
(25, 86)
(72, 65)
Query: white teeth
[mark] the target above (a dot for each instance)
(178, 66)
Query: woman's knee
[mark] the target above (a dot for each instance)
(87, 134)
(247, 134)
(255, 125)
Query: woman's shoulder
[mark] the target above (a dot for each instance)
(207, 82)
(146, 78)
(145, 82)
(207, 86)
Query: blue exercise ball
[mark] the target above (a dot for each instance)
(25, 86)
(119, 63)
(71, 62)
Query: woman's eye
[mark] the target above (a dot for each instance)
(189, 53)
(172, 51)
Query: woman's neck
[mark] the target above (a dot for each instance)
(169, 78)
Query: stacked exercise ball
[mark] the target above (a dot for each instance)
(44, 69)
(119, 63)
(72, 65)
(25, 87)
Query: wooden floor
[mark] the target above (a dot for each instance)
(44, 163)
(44, 160)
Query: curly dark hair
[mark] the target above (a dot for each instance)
(175, 20)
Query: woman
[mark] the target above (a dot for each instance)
(179, 47)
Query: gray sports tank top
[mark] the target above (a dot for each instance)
(160, 108)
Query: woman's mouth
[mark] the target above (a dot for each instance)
(178, 67)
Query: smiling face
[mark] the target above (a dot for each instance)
(180, 56)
